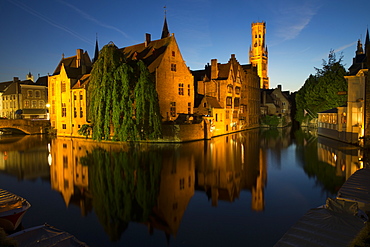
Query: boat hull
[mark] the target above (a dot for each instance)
(10, 215)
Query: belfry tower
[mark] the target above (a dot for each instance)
(258, 55)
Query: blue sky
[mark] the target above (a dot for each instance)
(300, 33)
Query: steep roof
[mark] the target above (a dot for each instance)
(212, 101)
(70, 65)
(82, 82)
(4, 85)
(150, 52)
(12, 88)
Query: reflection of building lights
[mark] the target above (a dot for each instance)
(49, 147)
(49, 159)
(335, 157)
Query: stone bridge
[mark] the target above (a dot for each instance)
(27, 126)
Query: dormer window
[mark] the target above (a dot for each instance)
(173, 53)
(134, 56)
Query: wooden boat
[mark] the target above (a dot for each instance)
(12, 210)
(45, 235)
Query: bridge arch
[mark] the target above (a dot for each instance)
(27, 126)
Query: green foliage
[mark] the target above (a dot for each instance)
(123, 96)
(84, 130)
(320, 91)
(272, 121)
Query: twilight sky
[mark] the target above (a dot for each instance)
(300, 33)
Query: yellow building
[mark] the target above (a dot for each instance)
(67, 94)
(258, 54)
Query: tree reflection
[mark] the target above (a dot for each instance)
(124, 186)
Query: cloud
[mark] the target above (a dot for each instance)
(344, 47)
(292, 17)
(90, 18)
(49, 21)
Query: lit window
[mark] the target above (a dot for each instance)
(26, 104)
(33, 103)
(181, 89)
(64, 87)
(29, 93)
(173, 109)
(41, 104)
(64, 110)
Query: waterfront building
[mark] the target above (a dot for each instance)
(68, 94)
(228, 95)
(24, 99)
(174, 81)
(258, 54)
(276, 102)
(347, 123)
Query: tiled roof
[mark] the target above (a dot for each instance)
(151, 54)
(213, 102)
(12, 89)
(71, 65)
(82, 82)
(4, 85)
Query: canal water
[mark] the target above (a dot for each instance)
(244, 189)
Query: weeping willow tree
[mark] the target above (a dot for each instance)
(123, 96)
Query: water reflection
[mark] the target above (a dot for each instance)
(24, 156)
(153, 184)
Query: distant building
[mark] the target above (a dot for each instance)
(24, 99)
(258, 54)
(276, 102)
(228, 95)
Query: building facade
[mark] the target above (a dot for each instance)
(25, 99)
(276, 102)
(228, 95)
(174, 81)
(68, 95)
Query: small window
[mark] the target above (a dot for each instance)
(29, 93)
(181, 88)
(173, 109)
(64, 126)
(33, 103)
(173, 67)
(173, 53)
(64, 87)
(37, 94)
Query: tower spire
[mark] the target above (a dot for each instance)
(367, 39)
(96, 54)
(165, 32)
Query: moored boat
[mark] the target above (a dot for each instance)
(45, 235)
(12, 210)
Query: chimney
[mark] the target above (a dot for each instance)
(15, 79)
(79, 53)
(279, 87)
(147, 39)
(214, 69)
